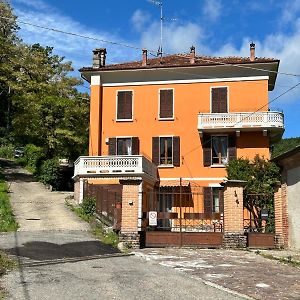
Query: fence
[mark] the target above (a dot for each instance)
(108, 202)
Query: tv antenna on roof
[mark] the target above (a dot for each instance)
(162, 18)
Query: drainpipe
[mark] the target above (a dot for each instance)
(140, 206)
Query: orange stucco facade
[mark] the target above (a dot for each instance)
(189, 100)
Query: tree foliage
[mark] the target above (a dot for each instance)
(285, 145)
(261, 177)
(40, 103)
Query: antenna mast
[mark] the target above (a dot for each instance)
(160, 4)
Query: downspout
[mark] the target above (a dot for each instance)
(140, 206)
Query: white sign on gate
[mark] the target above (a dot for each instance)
(152, 218)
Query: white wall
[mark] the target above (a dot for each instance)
(293, 198)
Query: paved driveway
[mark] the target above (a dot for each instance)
(59, 259)
(241, 271)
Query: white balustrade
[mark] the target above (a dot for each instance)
(240, 120)
(118, 165)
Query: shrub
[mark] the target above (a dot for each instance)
(6, 151)
(88, 206)
(33, 157)
(50, 173)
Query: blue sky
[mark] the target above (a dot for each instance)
(215, 27)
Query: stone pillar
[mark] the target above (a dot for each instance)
(233, 217)
(281, 216)
(129, 235)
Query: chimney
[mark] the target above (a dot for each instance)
(192, 55)
(99, 57)
(144, 62)
(252, 51)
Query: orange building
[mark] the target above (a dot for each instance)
(176, 121)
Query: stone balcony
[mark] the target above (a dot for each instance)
(270, 121)
(115, 166)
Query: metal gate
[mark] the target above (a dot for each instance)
(182, 219)
(259, 220)
(108, 202)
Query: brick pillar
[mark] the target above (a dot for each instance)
(281, 216)
(234, 215)
(129, 235)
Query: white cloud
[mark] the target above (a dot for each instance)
(176, 38)
(139, 19)
(291, 10)
(36, 4)
(76, 49)
(280, 46)
(212, 9)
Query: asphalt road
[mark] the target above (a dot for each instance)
(59, 259)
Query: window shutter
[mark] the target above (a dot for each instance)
(166, 104)
(135, 146)
(112, 146)
(155, 150)
(231, 147)
(221, 200)
(207, 200)
(206, 144)
(124, 106)
(219, 100)
(176, 151)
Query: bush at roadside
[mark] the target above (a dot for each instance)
(50, 173)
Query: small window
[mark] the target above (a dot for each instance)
(166, 107)
(123, 146)
(219, 100)
(166, 151)
(124, 106)
(213, 200)
(219, 148)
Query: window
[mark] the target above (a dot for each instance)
(219, 100)
(123, 146)
(219, 150)
(213, 200)
(166, 151)
(166, 108)
(124, 105)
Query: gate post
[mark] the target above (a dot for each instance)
(129, 235)
(281, 216)
(234, 214)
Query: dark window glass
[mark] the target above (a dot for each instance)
(166, 151)
(219, 148)
(124, 146)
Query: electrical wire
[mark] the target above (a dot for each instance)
(139, 48)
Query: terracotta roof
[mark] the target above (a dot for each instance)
(181, 60)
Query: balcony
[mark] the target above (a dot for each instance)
(111, 166)
(241, 121)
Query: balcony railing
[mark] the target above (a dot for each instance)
(264, 120)
(125, 165)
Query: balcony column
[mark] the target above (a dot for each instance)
(129, 236)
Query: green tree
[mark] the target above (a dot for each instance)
(261, 176)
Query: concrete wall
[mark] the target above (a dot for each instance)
(293, 198)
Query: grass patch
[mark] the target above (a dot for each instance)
(288, 260)
(5, 264)
(86, 212)
(7, 219)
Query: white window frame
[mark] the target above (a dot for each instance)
(215, 87)
(166, 119)
(132, 105)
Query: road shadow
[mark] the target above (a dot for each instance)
(37, 250)
(12, 172)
